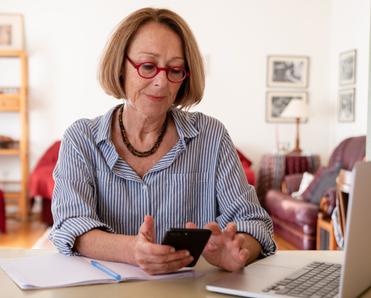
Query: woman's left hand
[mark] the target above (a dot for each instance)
(228, 249)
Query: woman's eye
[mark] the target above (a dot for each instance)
(176, 72)
(147, 66)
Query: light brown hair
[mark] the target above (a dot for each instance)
(110, 71)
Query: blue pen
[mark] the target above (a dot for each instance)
(106, 270)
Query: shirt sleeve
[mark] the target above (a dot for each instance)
(74, 197)
(237, 200)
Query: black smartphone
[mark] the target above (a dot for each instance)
(193, 240)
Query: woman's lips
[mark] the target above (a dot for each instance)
(155, 97)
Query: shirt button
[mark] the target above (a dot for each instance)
(144, 187)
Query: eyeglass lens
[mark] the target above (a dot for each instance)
(149, 70)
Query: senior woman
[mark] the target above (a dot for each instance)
(123, 179)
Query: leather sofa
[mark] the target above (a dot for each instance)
(295, 220)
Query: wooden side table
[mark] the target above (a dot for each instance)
(325, 233)
(343, 185)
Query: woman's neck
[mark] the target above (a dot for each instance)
(141, 128)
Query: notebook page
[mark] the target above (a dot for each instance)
(52, 270)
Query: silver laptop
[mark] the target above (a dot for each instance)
(267, 278)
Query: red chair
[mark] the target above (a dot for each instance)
(41, 181)
(2, 213)
(246, 164)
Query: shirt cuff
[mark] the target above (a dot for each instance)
(259, 231)
(64, 235)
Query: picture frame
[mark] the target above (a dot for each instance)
(278, 101)
(347, 67)
(346, 105)
(11, 32)
(287, 71)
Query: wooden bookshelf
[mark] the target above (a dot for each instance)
(17, 103)
(10, 103)
(9, 152)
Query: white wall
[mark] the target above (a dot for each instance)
(350, 29)
(65, 40)
(368, 143)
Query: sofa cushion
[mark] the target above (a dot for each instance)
(324, 179)
(305, 181)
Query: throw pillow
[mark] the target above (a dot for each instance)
(323, 180)
(304, 183)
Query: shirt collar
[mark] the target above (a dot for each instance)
(104, 126)
(184, 122)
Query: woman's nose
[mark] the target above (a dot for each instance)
(161, 78)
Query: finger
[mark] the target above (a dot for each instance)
(214, 227)
(166, 267)
(155, 249)
(238, 251)
(210, 247)
(146, 230)
(191, 225)
(231, 230)
(239, 239)
(166, 258)
(216, 232)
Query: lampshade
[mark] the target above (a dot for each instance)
(297, 108)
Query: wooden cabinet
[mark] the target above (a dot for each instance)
(17, 104)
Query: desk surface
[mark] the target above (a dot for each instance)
(188, 287)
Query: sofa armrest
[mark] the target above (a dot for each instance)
(328, 202)
(289, 209)
(291, 183)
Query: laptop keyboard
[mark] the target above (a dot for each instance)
(316, 280)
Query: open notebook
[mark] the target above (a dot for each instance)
(55, 270)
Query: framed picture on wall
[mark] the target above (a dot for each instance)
(287, 71)
(277, 103)
(346, 107)
(347, 67)
(11, 32)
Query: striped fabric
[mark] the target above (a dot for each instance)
(199, 180)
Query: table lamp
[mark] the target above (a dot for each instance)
(297, 109)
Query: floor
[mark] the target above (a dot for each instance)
(22, 234)
(25, 234)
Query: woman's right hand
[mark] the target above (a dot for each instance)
(156, 258)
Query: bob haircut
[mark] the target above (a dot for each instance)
(111, 74)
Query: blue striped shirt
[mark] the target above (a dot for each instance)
(199, 180)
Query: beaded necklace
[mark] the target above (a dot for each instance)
(131, 147)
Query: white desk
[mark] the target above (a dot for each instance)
(181, 288)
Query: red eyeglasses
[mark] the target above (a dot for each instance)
(149, 70)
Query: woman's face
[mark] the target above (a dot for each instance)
(154, 43)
